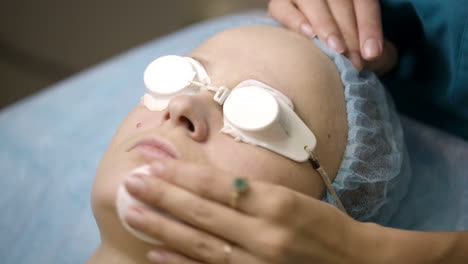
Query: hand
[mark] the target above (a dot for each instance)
(351, 27)
(272, 224)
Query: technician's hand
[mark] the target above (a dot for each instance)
(271, 224)
(352, 27)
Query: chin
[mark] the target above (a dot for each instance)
(104, 194)
(103, 197)
(112, 172)
(112, 232)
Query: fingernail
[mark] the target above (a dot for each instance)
(134, 216)
(335, 43)
(371, 48)
(307, 30)
(135, 183)
(355, 58)
(158, 169)
(156, 256)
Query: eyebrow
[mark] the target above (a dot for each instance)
(207, 64)
(204, 62)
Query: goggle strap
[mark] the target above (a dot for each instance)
(313, 160)
(221, 93)
(205, 86)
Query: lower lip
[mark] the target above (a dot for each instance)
(152, 152)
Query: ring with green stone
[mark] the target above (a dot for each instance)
(240, 186)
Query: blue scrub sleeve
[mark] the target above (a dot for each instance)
(430, 82)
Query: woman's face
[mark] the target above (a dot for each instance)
(282, 59)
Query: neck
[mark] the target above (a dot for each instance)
(117, 246)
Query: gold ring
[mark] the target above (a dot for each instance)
(240, 186)
(227, 253)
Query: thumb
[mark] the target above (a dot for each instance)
(384, 63)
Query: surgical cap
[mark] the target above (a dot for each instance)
(375, 170)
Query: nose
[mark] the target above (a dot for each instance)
(188, 112)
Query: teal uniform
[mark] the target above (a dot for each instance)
(430, 82)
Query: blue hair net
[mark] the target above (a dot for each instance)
(375, 171)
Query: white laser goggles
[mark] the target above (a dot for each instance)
(253, 112)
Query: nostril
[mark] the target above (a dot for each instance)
(189, 123)
(191, 127)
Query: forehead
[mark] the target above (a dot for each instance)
(283, 59)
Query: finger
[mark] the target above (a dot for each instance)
(217, 185)
(343, 12)
(168, 257)
(369, 24)
(386, 62)
(189, 207)
(232, 255)
(191, 242)
(287, 14)
(319, 15)
(207, 182)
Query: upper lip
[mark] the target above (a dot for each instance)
(159, 143)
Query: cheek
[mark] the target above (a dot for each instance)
(140, 119)
(282, 171)
(116, 162)
(237, 158)
(244, 160)
(111, 173)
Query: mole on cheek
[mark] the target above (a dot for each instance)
(138, 125)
